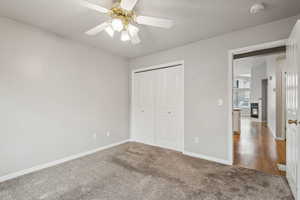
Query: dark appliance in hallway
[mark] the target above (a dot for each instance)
(254, 110)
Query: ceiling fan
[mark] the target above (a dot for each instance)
(123, 19)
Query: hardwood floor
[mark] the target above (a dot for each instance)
(256, 148)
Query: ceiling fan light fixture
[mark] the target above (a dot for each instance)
(110, 31)
(132, 29)
(122, 15)
(125, 36)
(117, 24)
(135, 39)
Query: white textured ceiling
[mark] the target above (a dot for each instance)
(194, 20)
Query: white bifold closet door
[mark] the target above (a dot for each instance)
(143, 107)
(158, 107)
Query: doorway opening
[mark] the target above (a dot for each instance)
(258, 109)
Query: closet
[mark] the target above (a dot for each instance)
(158, 106)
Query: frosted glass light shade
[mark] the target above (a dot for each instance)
(117, 24)
(125, 36)
(110, 31)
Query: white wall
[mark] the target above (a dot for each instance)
(273, 70)
(206, 80)
(271, 74)
(55, 94)
(280, 96)
(257, 74)
(242, 66)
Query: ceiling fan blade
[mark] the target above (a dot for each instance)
(97, 29)
(135, 39)
(128, 4)
(94, 7)
(153, 21)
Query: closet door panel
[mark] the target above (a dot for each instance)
(169, 111)
(144, 107)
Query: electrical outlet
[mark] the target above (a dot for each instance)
(107, 133)
(196, 140)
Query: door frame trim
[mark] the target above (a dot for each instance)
(231, 54)
(153, 67)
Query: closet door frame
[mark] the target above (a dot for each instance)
(155, 67)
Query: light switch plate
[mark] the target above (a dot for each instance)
(220, 102)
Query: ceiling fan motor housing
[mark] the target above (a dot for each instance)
(126, 16)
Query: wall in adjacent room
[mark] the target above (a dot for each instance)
(274, 94)
(271, 74)
(257, 74)
(58, 97)
(206, 82)
(281, 64)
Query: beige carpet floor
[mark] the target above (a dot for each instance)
(134, 171)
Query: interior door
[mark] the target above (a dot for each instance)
(292, 112)
(143, 107)
(169, 108)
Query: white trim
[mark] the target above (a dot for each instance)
(281, 167)
(56, 162)
(230, 113)
(231, 53)
(155, 145)
(271, 130)
(280, 138)
(131, 106)
(257, 47)
(179, 62)
(213, 159)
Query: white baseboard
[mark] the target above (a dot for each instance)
(280, 138)
(57, 162)
(196, 155)
(281, 167)
(256, 120)
(226, 162)
(272, 132)
(155, 145)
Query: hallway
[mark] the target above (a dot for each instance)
(256, 148)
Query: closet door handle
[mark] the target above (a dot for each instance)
(169, 112)
(142, 111)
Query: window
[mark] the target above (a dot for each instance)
(241, 95)
(241, 98)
